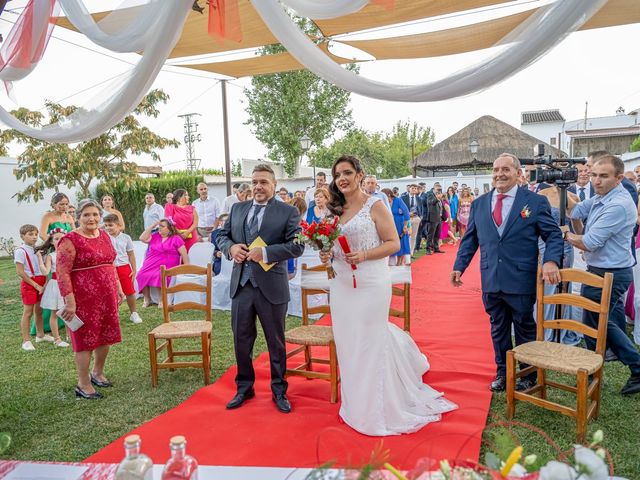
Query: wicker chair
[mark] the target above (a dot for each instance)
(307, 336)
(402, 291)
(171, 330)
(543, 355)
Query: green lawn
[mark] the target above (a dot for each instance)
(38, 408)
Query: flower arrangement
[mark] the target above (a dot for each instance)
(320, 236)
(506, 461)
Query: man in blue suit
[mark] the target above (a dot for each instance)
(506, 225)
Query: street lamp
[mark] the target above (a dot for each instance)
(379, 170)
(474, 145)
(305, 144)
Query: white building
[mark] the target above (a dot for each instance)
(545, 125)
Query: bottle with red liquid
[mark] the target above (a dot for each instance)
(180, 466)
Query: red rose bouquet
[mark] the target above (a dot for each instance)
(320, 236)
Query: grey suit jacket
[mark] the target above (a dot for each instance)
(280, 224)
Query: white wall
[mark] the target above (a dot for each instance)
(16, 214)
(545, 132)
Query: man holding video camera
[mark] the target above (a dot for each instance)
(607, 248)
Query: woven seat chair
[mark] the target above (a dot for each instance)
(544, 355)
(171, 330)
(403, 291)
(307, 336)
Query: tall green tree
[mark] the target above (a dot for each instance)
(406, 141)
(392, 154)
(45, 165)
(282, 107)
(635, 146)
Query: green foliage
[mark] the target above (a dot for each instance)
(104, 158)
(635, 146)
(282, 107)
(394, 151)
(129, 196)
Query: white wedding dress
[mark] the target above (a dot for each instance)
(380, 365)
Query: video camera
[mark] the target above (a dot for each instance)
(554, 171)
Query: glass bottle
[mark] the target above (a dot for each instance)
(180, 466)
(136, 465)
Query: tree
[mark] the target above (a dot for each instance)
(368, 147)
(405, 142)
(103, 158)
(635, 146)
(282, 107)
(393, 152)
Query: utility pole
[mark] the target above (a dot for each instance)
(191, 136)
(225, 131)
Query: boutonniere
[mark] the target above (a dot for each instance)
(525, 212)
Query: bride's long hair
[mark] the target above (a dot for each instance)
(336, 205)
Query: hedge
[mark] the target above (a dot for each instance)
(129, 199)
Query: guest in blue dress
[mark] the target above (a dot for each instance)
(402, 220)
(318, 208)
(452, 198)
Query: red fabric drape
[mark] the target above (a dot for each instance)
(224, 20)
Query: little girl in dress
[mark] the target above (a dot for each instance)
(51, 297)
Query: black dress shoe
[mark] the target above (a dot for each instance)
(99, 383)
(525, 384)
(429, 252)
(87, 396)
(609, 356)
(499, 384)
(632, 385)
(439, 251)
(240, 398)
(282, 403)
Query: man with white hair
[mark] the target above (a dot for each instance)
(371, 187)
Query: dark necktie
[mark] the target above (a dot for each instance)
(413, 201)
(497, 210)
(581, 194)
(253, 223)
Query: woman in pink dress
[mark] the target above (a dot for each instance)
(183, 216)
(446, 233)
(464, 210)
(166, 248)
(89, 284)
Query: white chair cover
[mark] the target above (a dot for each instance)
(221, 282)
(201, 254)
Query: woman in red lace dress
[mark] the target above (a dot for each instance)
(89, 284)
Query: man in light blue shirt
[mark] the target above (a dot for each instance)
(371, 187)
(607, 248)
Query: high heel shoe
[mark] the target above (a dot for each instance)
(100, 383)
(87, 396)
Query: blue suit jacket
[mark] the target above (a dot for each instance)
(508, 264)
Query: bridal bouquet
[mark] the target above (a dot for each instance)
(320, 236)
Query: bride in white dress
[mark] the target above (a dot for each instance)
(380, 365)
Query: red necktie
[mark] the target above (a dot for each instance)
(497, 210)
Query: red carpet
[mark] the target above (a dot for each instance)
(449, 325)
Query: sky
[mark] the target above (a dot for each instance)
(597, 66)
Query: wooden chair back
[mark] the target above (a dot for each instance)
(305, 293)
(404, 291)
(166, 273)
(571, 299)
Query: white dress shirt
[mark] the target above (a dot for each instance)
(228, 202)
(507, 203)
(310, 195)
(208, 210)
(152, 214)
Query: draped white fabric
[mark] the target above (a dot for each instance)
(535, 37)
(123, 30)
(121, 97)
(323, 11)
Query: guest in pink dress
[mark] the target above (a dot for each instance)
(183, 216)
(166, 248)
(89, 284)
(447, 232)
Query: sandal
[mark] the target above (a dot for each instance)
(58, 342)
(100, 383)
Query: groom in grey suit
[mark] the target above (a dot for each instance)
(259, 293)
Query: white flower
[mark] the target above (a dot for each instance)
(557, 471)
(590, 464)
(597, 437)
